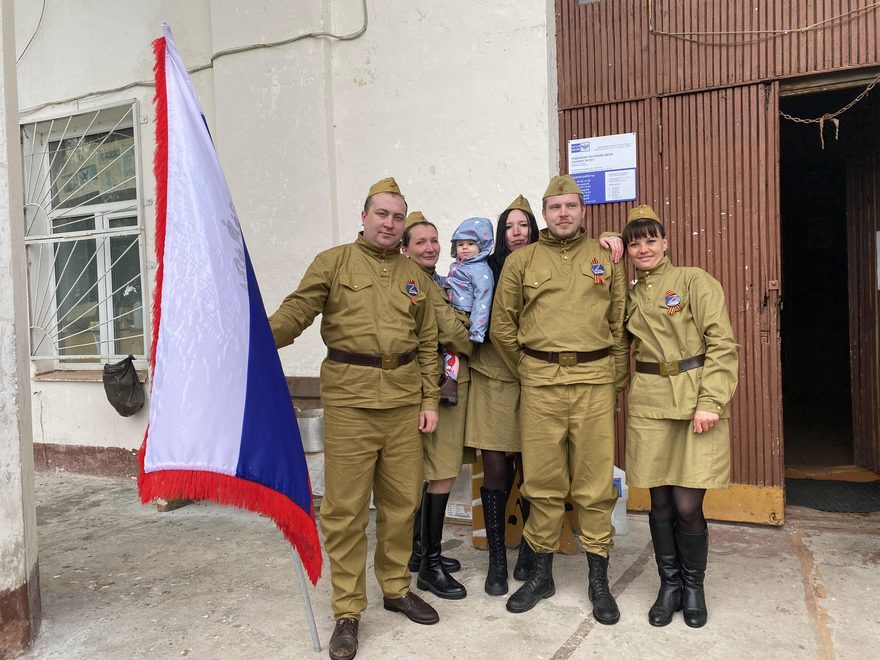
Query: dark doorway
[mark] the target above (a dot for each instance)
(816, 386)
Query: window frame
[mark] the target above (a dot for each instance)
(36, 137)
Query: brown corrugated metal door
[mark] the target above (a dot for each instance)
(720, 182)
(863, 238)
(708, 162)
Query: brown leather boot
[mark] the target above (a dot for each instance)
(448, 391)
(344, 642)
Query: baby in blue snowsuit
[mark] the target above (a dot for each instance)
(470, 286)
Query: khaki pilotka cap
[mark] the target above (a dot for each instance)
(388, 185)
(642, 212)
(562, 185)
(520, 204)
(414, 218)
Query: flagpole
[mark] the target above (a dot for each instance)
(307, 602)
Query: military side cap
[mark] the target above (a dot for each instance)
(388, 185)
(642, 212)
(414, 218)
(562, 185)
(520, 204)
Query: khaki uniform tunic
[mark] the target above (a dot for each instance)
(371, 436)
(547, 299)
(661, 447)
(444, 448)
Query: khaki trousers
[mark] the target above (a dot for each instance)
(369, 450)
(568, 447)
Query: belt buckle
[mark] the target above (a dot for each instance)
(669, 369)
(568, 359)
(389, 361)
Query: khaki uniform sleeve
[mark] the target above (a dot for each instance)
(450, 331)
(616, 316)
(429, 365)
(506, 310)
(721, 369)
(300, 308)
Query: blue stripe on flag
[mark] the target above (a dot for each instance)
(271, 447)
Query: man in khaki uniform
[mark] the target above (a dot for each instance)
(557, 321)
(379, 389)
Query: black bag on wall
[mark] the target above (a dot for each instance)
(124, 390)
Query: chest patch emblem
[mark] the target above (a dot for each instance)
(598, 271)
(411, 290)
(673, 302)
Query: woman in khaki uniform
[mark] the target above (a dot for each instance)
(444, 448)
(493, 411)
(677, 438)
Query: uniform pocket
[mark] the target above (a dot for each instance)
(355, 281)
(533, 279)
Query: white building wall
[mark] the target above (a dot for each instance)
(451, 98)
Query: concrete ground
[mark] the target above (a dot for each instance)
(120, 580)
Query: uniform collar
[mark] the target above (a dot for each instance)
(545, 238)
(376, 252)
(659, 269)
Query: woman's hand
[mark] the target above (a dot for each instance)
(615, 244)
(704, 421)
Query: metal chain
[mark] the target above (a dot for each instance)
(831, 115)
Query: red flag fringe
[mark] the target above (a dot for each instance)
(296, 525)
(160, 171)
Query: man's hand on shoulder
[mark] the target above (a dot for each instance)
(615, 244)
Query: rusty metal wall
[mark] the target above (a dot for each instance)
(606, 52)
(640, 117)
(863, 202)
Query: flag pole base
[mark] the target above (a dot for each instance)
(307, 602)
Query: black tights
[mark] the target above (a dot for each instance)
(685, 505)
(496, 475)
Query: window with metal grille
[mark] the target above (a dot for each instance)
(84, 237)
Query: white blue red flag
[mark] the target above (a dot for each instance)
(222, 426)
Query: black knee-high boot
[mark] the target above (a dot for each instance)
(668, 600)
(432, 575)
(415, 559)
(525, 559)
(693, 553)
(493, 513)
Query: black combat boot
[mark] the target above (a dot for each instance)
(693, 553)
(432, 575)
(604, 608)
(415, 559)
(493, 513)
(669, 597)
(526, 556)
(539, 585)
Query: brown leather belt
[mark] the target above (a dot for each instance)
(670, 368)
(391, 361)
(567, 358)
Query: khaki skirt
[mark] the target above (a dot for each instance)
(493, 414)
(444, 448)
(667, 452)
